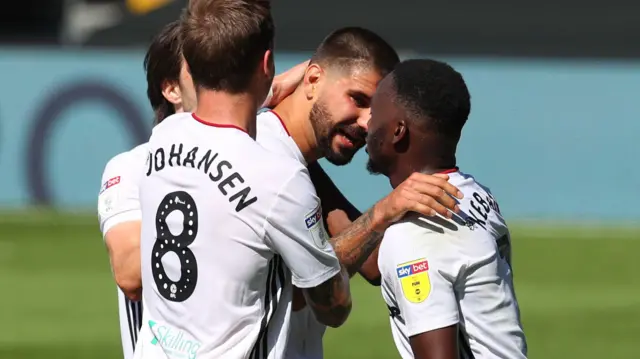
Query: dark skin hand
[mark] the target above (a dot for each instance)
(436, 344)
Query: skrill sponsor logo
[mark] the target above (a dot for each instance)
(413, 268)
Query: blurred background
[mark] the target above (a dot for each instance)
(553, 132)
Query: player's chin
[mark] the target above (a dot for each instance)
(373, 168)
(341, 156)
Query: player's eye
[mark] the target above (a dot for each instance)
(361, 100)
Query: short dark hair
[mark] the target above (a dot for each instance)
(355, 46)
(162, 63)
(223, 41)
(434, 95)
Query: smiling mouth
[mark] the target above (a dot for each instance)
(350, 140)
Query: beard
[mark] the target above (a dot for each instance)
(321, 121)
(377, 163)
(373, 167)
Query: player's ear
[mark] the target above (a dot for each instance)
(400, 131)
(171, 91)
(268, 64)
(311, 80)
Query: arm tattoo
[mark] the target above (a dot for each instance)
(356, 243)
(331, 300)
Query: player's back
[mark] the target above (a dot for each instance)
(439, 272)
(212, 279)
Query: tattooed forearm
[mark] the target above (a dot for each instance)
(331, 300)
(356, 243)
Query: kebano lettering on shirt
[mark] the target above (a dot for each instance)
(204, 160)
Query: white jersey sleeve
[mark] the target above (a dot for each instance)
(118, 200)
(295, 230)
(422, 274)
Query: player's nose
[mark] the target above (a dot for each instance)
(363, 119)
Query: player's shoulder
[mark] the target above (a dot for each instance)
(410, 236)
(280, 168)
(469, 185)
(267, 119)
(273, 135)
(172, 121)
(467, 182)
(127, 160)
(479, 203)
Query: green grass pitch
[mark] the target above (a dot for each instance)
(578, 288)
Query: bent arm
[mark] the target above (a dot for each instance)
(331, 300)
(120, 221)
(123, 245)
(339, 214)
(295, 230)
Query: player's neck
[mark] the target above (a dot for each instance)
(223, 108)
(407, 164)
(296, 119)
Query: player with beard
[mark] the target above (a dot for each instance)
(326, 117)
(447, 281)
(307, 342)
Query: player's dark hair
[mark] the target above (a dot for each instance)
(223, 41)
(349, 47)
(162, 63)
(434, 96)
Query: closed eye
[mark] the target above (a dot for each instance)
(360, 99)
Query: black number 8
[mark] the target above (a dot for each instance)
(166, 242)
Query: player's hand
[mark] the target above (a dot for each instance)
(284, 84)
(426, 194)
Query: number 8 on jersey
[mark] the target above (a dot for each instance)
(179, 244)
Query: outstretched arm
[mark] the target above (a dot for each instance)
(356, 241)
(425, 194)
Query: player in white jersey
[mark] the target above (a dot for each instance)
(118, 201)
(222, 215)
(336, 110)
(326, 118)
(447, 282)
(362, 236)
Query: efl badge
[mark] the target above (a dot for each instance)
(315, 225)
(414, 278)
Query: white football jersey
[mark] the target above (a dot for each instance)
(118, 202)
(223, 221)
(305, 338)
(438, 272)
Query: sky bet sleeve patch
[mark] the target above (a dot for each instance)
(314, 223)
(414, 279)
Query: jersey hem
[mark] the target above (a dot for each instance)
(124, 216)
(316, 281)
(419, 329)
